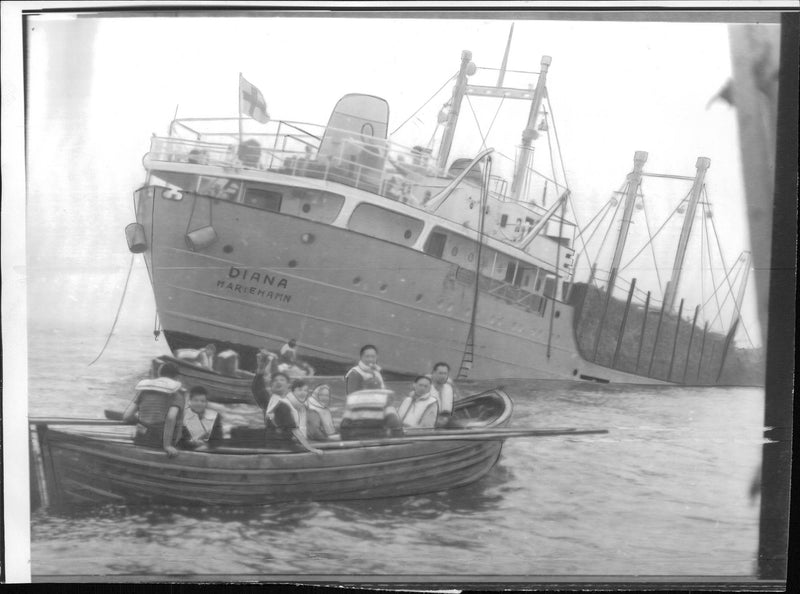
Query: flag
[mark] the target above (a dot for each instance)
(251, 101)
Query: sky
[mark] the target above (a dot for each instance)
(99, 88)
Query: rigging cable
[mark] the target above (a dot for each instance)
(608, 229)
(119, 309)
(710, 258)
(652, 246)
(724, 267)
(424, 104)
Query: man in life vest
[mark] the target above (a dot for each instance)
(201, 425)
(366, 375)
(420, 409)
(444, 391)
(157, 410)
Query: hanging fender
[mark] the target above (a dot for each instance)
(134, 234)
(201, 238)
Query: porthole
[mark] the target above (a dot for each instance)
(419, 297)
(408, 234)
(557, 314)
(454, 251)
(470, 257)
(292, 263)
(228, 248)
(306, 207)
(574, 372)
(383, 287)
(307, 238)
(356, 280)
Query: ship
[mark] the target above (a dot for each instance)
(339, 237)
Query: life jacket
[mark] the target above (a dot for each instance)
(155, 397)
(324, 414)
(199, 429)
(413, 411)
(366, 414)
(371, 379)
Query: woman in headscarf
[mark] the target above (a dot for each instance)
(319, 420)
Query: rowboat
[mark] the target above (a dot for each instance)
(221, 388)
(225, 389)
(73, 466)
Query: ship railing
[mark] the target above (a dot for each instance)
(375, 165)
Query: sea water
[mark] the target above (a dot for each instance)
(665, 492)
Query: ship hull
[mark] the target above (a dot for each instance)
(269, 276)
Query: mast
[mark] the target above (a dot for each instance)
(502, 74)
(703, 163)
(634, 179)
(529, 133)
(467, 68)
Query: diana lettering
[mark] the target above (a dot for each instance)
(257, 277)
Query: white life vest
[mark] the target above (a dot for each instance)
(199, 429)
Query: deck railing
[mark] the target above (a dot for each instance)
(372, 164)
(532, 302)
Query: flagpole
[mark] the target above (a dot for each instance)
(239, 103)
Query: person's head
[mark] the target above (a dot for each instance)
(279, 383)
(441, 372)
(369, 354)
(300, 389)
(422, 385)
(293, 342)
(198, 399)
(322, 394)
(210, 349)
(169, 370)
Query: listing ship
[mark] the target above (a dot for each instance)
(339, 237)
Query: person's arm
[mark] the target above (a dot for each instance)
(131, 414)
(259, 391)
(314, 427)
(352, 382)
(169, 430)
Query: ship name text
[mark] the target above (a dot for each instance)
(255, 278)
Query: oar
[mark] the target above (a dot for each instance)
(488, 435)
(71, 421)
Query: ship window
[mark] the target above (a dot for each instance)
(388, 225)
(454, 251)
(503, 220)
(263, 199)
(435, 244)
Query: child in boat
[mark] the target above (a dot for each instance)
(201, 425)
(366, 375)
(320, 421)
(157, 410)
(420, 408)
(444, 391)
